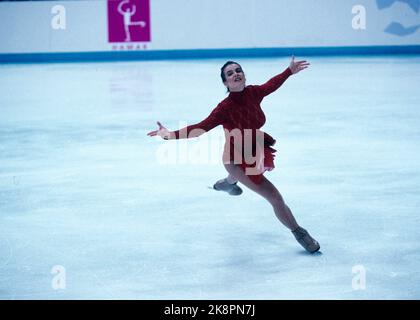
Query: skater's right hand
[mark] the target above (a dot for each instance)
(297, 66)
(161, 132)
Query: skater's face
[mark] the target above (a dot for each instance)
(235, 78)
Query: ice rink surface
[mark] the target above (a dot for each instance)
(93, 208)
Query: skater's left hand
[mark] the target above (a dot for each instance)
(162, 132)
(296, 66)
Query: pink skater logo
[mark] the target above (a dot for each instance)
(128, 21)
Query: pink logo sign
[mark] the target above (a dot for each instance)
(128, 21)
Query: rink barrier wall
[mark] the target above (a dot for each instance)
(60, 31)
(205, 54)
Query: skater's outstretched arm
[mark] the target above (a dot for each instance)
(213, 120)
(274, 83)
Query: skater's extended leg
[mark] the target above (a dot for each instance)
(268, 191)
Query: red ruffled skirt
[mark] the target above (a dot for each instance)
(261, 160)
(263, 163)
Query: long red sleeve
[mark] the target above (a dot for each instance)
(273, 84)
(213, 120)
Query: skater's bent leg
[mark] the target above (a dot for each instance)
(268, 191)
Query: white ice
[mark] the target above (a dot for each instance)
(85, 190)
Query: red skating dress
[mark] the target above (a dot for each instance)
(241, 116)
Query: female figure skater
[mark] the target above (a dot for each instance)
(242, 117)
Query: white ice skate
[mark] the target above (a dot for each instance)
(231, 188)
(306, 241)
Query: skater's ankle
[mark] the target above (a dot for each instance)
(295, 228)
